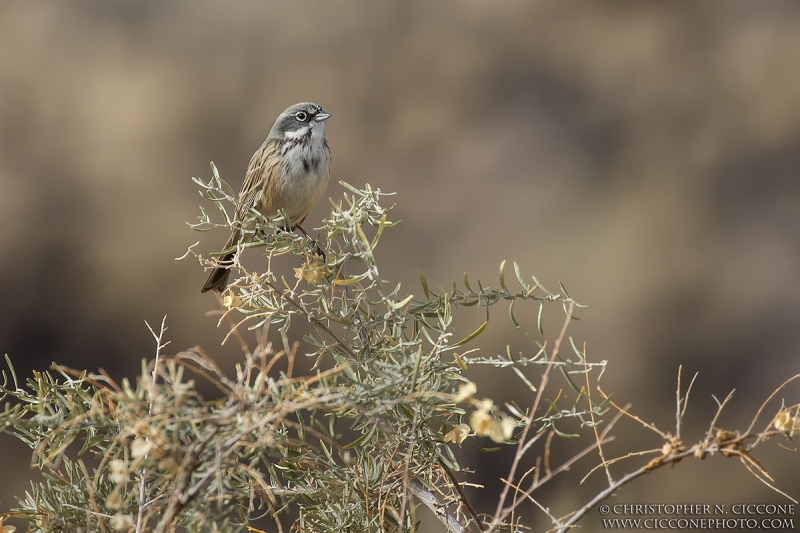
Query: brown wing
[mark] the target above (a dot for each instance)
(258, 190)
(253, 185)
(273, 170)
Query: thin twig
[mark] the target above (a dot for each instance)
(527, 495)
(678, 409)
(461, 495)
(769, 398)
(160, 344)
(406, 465)
(541, 481)
(594, 422)
(767, 483)
(686, 396)
(615, 460)
(624, 410)
(432, 502)
(615, 486)
(529, 424)
(720, 407)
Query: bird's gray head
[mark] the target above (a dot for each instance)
(299, 121)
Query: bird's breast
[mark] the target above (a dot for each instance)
(307, 168)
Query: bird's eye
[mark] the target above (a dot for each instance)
(301, 116)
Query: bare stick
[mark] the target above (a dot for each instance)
(763, 405)
(678, 405)
(594, 423)
(432, 502)
(160, 344)
(614, 487)
(406, 466)
(521, 444)
(461, 495)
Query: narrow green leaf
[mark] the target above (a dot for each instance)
(461, 364)
(561, 434)
(381, 226)
(518, 325)
(525, 286)
(564, 290)
(326, 451)
(575, 349)
(447, 309)
(509, 354)
(362, 438)
(350, 281)
(327, 431)
(466, 282)
(503, 275)
(605, 402)
(351, 188)
(471, 335)
(566, 375)
(539, 318)
(523, 378)
(482, 449)
(399, 305)
(550, 295)
(363, 237)
(417, 362)
(13, 373)
(424, 284)
(553, 404)
(445, 454)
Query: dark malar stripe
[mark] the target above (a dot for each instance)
(291, 144)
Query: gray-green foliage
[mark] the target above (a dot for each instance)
(347, 448)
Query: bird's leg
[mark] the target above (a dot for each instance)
(319, 250)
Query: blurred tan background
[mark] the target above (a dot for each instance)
(645, 154)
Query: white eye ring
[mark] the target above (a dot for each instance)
(301, 116)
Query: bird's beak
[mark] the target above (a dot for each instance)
(322, 116)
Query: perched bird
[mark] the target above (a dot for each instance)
(289, 173)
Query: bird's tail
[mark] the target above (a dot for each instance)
(218, 279)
